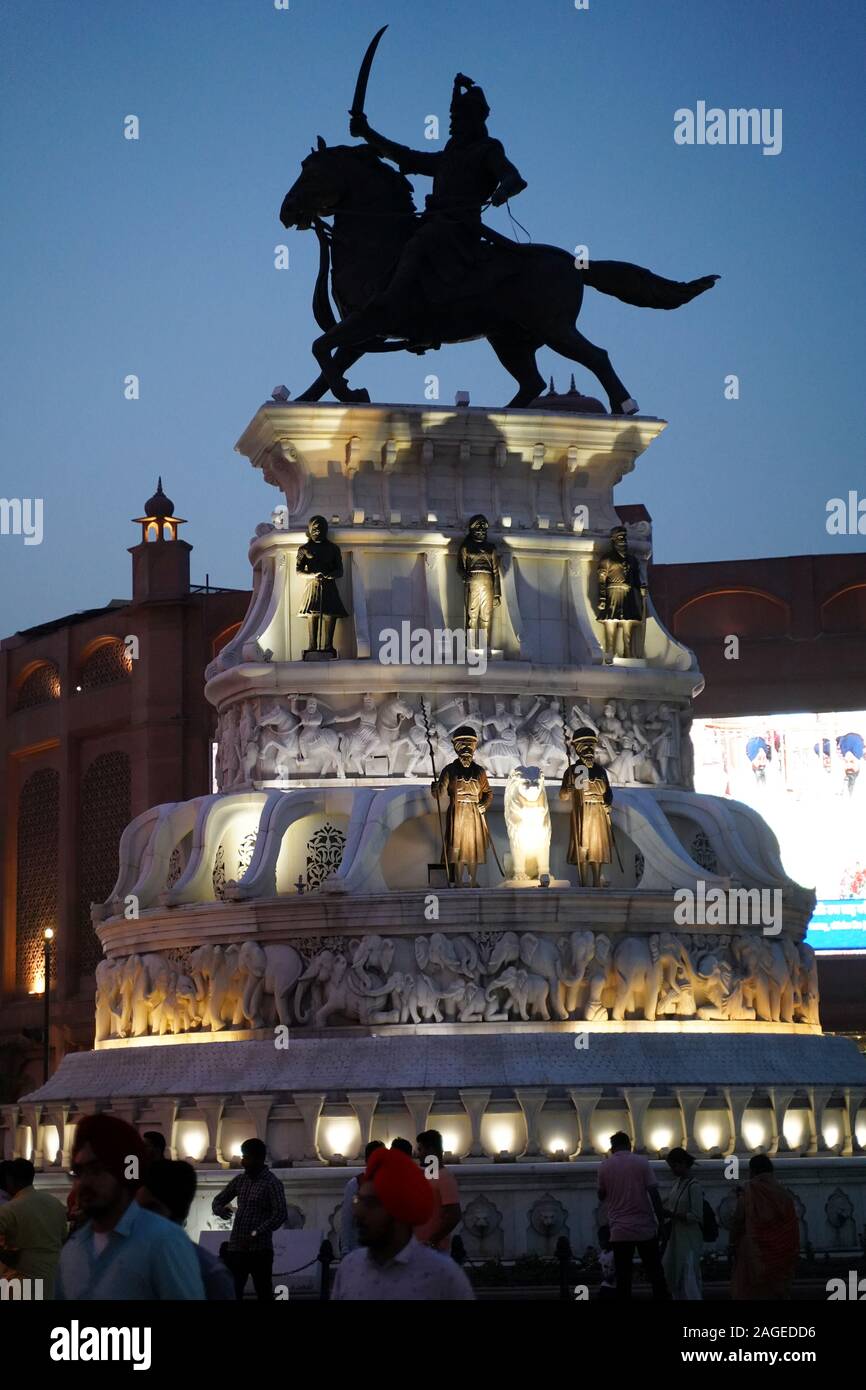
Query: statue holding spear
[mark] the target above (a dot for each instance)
(586, 786)
(445, 861)
(469, 795)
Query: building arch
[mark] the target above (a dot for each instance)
(38, 829)
(746, 611)
(104, 661)
(845, 611)
(38, 684)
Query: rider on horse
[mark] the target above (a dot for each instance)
(470, 172)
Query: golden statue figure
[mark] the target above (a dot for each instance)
(621, 595)
(478, 567)
(469, 796)
(322, 563)
(586, 786)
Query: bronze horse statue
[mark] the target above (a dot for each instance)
(520, 299)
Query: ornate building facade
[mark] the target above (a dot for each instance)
(92, 734)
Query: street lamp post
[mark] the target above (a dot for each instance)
(48, 936)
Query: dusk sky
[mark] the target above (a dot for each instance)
(156, 256)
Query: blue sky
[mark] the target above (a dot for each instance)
(155, 257)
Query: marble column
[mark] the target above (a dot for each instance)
(853, 1100)
(310, 1108)
(584, 1100)
(638, 1099)
(780, 1101)
(31, 1115)
(125, 1108)
(690, 1098)
(531, 1101)
(259, 1109)
(212, 1108)
(165, 1108)
(10, 1131)
(66, 1130)
(475, 1103)
(737, 1098)
(819, 1097)
(364, 1105)
(419, 1104)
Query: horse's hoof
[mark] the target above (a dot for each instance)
(360, 397)
(627, 407)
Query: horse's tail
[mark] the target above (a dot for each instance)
(643, 288)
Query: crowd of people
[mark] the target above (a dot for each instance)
(669, 1236)
(121, 1233)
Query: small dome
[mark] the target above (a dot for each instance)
(571, 400)
(159, 505)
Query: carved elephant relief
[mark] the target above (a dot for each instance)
(343, 991)
(526, 991)
(219, 986)
(272, 969)
(637, 978)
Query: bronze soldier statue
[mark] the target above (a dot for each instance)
(470, 172)
(478, 567)
(621, 595)
(322, 561)
(586, 786)
(469, 796)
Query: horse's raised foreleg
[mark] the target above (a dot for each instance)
(343, 359)
(351, 334)
(326, 351)
(569, 343)
(518, 357)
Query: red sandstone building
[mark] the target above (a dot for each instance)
(104, 716)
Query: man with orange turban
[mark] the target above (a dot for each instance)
(393, 1197)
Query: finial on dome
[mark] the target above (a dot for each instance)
(159, 506)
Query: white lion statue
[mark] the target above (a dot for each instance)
(527, 819)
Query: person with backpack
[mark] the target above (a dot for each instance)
(685, 1227)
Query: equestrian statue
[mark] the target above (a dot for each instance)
(404, 282)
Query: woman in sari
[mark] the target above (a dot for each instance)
(685, 1244)
(765, 1235)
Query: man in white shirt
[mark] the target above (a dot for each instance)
(393, 1197)
(348, 1229)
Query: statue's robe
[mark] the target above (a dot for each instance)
(321, 596)
(468, 792)
(590, 824)
(478, 567)
(619, 583)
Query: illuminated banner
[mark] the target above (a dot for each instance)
(806, 775)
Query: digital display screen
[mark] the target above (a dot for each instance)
(806, 775)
